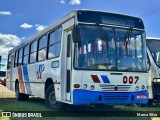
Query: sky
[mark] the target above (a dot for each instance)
(21, 19)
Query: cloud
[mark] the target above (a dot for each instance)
(26, 25)
(62, 1)
(23, 38)
(8, 42)
(5, 13)
(75, 2)
(39, 27)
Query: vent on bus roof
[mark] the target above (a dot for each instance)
(105, 87)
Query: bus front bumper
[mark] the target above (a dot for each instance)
(110, 98)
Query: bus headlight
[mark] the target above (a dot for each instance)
(137, 88)
(85, 86)
(142, 87)
(92, 87)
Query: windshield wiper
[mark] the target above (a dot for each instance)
(129, 34)
(128, 38)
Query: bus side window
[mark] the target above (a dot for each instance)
(16, 59)
(25, 56)
(20, 57)
(148, 62)
(54, 44)
(9, 62)
(42, 44)
(33, 49)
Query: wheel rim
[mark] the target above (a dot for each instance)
(52, 99)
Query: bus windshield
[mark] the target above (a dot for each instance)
(154, 48)
(108, 48)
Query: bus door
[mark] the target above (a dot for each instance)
(66, 71)
(68, 67)
(66, 61)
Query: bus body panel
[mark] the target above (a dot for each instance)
(106, 86)
(114, 78)
(109, 98)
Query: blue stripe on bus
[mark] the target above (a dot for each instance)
(105, 79)
(26, 80)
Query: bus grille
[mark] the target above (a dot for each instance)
(105, 87)
(113, 98)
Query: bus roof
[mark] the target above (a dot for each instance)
(153, 38)
(75, 11)
(58, 23)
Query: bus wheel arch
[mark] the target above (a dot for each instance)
(50, 97)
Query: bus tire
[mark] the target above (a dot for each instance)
(25, 97)
(51, 100)
(150, 102)
(20, 96)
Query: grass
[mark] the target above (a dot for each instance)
(8, 103)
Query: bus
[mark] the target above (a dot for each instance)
(86, 57)
(153, 51)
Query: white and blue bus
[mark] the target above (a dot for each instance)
(87, 57)
(153, 52)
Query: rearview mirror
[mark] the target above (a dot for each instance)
(158, 58)
(75, 34)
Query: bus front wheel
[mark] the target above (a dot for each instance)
(51, 99)
(20, 96)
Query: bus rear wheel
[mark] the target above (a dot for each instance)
(51, 99)
(20, 96)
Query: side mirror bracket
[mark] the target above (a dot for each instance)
(75, 34)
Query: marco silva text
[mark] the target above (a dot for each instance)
(150, 114)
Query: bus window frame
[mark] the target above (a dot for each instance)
(26, 54)
(49, 45)
(16, 58)
(30, 52)
(37, 55)
(149, 62)
(22, 48)
(9, 60)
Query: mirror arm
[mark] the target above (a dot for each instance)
(75, 34)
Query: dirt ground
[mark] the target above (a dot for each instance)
(5, 92)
